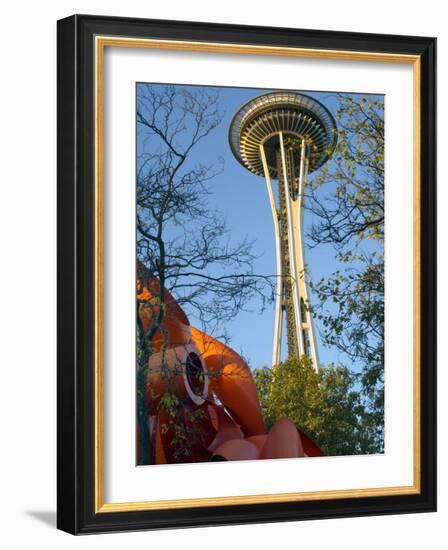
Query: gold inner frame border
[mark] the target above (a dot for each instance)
(100, 44)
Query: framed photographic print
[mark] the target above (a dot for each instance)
(246, 274)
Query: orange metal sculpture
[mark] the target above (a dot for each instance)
(201, 397)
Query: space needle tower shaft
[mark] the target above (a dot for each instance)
(283, 136)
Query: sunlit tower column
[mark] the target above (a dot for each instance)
(284, 136)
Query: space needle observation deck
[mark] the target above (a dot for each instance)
(284, 136)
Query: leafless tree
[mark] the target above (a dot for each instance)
(183, 242)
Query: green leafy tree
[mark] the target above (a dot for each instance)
(323, 404)
(347, 201)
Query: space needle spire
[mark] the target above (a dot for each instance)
(284, 136)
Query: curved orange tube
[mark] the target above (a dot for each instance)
(175, 328)
(309, 447)
(236, 449)
(209, 427)
(230, 430)
(167, 372)
(258, 441)
(232, 382)
(226, 428)
(283, 441)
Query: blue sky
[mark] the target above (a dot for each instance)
(242, 197)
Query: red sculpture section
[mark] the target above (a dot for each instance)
(201, 397)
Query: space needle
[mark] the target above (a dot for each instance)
(284, 136)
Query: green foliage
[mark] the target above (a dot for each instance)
(347, 200)
(354, 207)
(169, 402)
(325, 405)
(184, 430)
(352, 314)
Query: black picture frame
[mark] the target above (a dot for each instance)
(76, 275)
